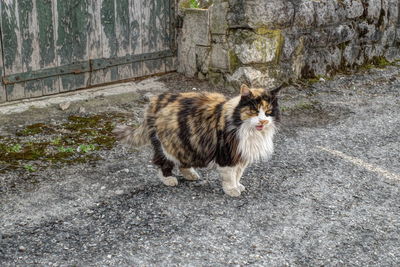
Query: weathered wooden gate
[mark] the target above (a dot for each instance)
(53, 46)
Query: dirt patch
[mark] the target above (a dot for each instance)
(73, 140)
(312, 114)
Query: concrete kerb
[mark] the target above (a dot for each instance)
(109, 90)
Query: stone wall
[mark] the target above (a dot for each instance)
(265, 42)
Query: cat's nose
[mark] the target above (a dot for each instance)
(263, 122)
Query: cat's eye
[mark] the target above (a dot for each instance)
(268, 113)
(253, 112)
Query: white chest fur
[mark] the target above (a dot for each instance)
(256, 145)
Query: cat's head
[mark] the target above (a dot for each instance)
(258, 108)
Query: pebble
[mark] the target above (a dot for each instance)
(103, 187)
(65, 105)
(125, 170)
(119, 192)
(147, 96)
(22, 248)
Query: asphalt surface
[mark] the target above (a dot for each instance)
(329, 196)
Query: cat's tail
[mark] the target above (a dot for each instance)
(130, 136)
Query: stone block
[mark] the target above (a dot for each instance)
(389, 36)
(219, 58)
(273, 14)
(251, 77)
(305, 14)
(219, 39)
(328, 12)
(392, 54)
(397, 35)
(291, 41)
(202, 58)
(196, 25)
(373, 51)
(373, 10)
(391, 11)
(294, 46)
(342, 33)
(216, 78)
(321, 62)
(351, 53)
(353, 8)
(187, 60)
(252, 48)
(367, 33)
(189, 38)
(330, 36)
(218, 22)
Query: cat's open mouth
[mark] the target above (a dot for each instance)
(260, 127)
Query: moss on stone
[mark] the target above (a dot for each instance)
(234, 61)
(377, 62)
(273, 34)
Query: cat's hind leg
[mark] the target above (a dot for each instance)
(189, 174)
(165, 173)
(166, 166)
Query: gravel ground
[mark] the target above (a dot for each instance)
(329, 196)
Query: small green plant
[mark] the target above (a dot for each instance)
(30, 168)
(194, 4)
(66, 149)
(86, 148)
(56, 141)
(15, 148)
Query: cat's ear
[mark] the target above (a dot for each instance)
(274, 92)
(245, 90)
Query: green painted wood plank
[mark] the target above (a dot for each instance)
(47, 42)
(10, 34)
(30, 46)
(72, 18)
(95, 37)
(135, 28)
(152, 20)
(81, 42)
(11, 47)
(109, 38)
(3, 96)
(123, 36)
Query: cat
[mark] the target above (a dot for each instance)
(192, 130)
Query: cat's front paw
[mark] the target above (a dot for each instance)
(170, 181)
(190, 174)
(241, 187)
(233, 192)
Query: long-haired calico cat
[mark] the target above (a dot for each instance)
(192, 130)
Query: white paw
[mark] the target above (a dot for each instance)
(190, 174)
(170, 181)
(233, 192)
(241, 187)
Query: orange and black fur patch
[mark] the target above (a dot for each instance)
(194, 129)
